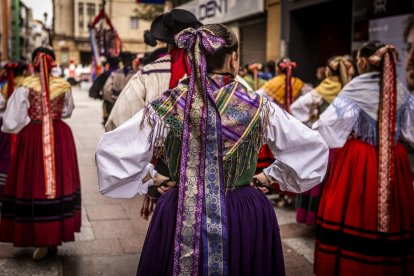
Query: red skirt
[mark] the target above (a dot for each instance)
(28, 218)
(348, 242)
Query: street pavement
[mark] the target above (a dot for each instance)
(113, 232)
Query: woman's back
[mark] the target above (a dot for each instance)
(241, 123)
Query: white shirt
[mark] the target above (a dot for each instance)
(123, 155)
(16, 116)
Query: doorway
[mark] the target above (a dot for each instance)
(317, 33)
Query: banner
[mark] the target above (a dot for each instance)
(390, 30)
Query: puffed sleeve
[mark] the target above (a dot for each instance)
(301, 154)
(407, 126)
(129, 102)
(68, 105)
(305, 106)
(16, 116)
(336, 122)
(123, 159)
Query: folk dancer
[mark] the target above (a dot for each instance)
(210, 128)
(307, 109)
(365, 219)
(41, 207)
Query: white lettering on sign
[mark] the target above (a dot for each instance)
(212, 8)
(222, 11)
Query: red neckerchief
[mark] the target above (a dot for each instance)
(179, 66)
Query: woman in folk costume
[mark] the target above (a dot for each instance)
(307, 108)
(366, 216)
(251, 77)
(41, 200)
(282, 89)
(15, 72)
(210, 127)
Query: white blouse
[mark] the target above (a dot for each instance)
(16, 116)
(306, 106)
(123, 156)
(336, 129)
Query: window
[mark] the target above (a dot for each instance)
(80, 15)
(134, 22)
(90, 11)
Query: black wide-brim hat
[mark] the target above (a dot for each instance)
(167, 25)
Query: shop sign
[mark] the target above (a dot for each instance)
(390, 30)
(222, 11)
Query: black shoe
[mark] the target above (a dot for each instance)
(52, 251)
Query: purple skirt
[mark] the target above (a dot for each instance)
(254, 241)
(5, 150)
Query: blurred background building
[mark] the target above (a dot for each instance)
(315, 30)
(71, 20)
(309, 31)
(20, 34)
(257, 23)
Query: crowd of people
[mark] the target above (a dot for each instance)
(206, 141)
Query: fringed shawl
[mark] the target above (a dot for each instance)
(276, 88)
(58, 86)
(329, 88)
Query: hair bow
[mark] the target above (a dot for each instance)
(44, 63)
(201, 131)
(48, 61)
(202, 37)
(378, 56)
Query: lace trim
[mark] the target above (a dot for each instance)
(364, 126)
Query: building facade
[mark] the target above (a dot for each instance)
(20, 34)
(315, 30)
(5, 28)
(39, 36)
(257, 23)
(70, 25)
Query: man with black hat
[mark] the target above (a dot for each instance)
(118, 79)
(158, 76)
